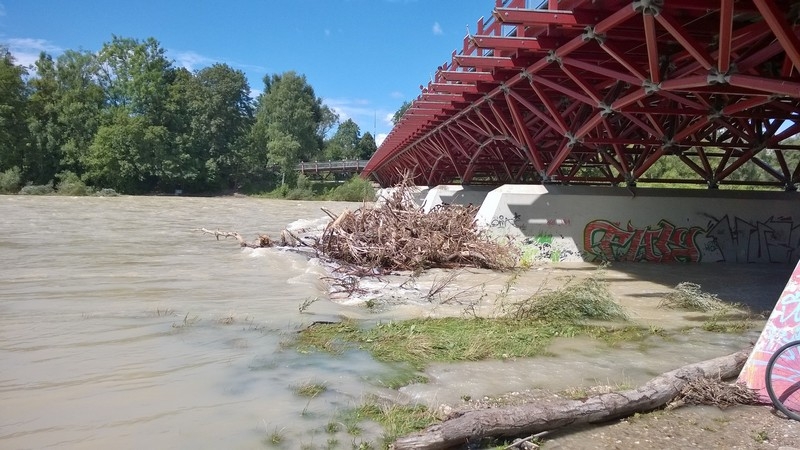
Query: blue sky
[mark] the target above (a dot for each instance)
(363, 57)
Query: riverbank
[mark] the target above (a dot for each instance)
(581, 364)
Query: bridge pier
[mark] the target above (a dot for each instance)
(643, 224)
(456, 194)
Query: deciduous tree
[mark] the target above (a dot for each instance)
(288, 118)
(13, 102)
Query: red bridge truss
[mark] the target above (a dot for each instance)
(597, 91)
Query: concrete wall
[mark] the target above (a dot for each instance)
(449, 194)
(638, 224)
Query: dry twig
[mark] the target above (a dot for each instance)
(262, 241)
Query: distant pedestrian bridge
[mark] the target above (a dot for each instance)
(332, 169)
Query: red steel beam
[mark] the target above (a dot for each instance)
(725, 35)
(783, 32)
(530, 17)
(466, 77)
(512, 43)
(484, 62)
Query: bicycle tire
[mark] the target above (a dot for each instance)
(783, 379)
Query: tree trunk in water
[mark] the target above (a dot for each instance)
(528, 419)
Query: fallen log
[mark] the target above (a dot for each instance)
(522, 420)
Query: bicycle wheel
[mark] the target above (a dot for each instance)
(783, 379)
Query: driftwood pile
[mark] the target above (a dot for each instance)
(398, 235)
(715, 392)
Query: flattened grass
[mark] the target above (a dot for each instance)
(525, 329)
(419, 342)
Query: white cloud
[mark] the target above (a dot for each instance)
(26, 50)
(192, 61)
(380, 138)
(368, 117)
(437, 29)
(397, 94)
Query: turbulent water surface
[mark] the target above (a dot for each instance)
(121, 327)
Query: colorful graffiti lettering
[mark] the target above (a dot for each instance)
(608, 241)
(783, 326)
(546, 247)
(729, 239)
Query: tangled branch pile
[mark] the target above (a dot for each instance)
(713, 391)
(398, 235)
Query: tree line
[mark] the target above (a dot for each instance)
(127, 119)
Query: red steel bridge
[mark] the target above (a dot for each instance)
(597, 91)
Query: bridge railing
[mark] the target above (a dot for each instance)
(355, 165)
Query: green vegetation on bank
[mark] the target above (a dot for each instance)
(522, 329)
(126, 118)
(355, 189)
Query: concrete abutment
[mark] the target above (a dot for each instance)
(597, 223)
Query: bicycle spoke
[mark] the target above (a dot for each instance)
(783, 379)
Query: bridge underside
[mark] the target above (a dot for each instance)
(598, 91)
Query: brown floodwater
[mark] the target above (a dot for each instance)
(121, 327)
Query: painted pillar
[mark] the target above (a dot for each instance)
(783, 326)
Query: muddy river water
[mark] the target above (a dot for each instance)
(121, 327)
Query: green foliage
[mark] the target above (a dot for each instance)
(10, 181)
(344, 144)
(367, 146)
(355, 189)
(128, 155)
(13, 104)
(70, 184)
(135, 76)
(302, 190)
(399, 113)
(288, 119)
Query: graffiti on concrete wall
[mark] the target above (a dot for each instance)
(734, 239)
(546, 247)
(783, 326)
(507, 222)
(728, 239)
(662, 243)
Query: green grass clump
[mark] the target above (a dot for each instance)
(575, 302)
(690, 296)
(396, 420)
(309, 390)
(729, 320)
